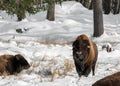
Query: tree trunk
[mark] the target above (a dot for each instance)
(116, 6)
(20, 13)
(98, 18)
(20, 16)
(51, 10)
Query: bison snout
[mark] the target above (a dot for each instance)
(27, 67)
(79, 55)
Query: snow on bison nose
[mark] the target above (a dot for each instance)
(11, 64)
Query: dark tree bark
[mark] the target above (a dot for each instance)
(107, 6)
(98, 18)
(115, 6)
(20, 12)
(51, 10)
(20, 16)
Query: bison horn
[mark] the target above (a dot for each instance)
(88, 46)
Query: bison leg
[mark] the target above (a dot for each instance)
(93, 66)
(78, 69)
(93, 70)
(87, 71)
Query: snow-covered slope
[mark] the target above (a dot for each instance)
(48, 46)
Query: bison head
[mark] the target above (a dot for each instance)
(81, 47)
(20, 63)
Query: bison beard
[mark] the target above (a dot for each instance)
(112, 80)
(10, 64)
(85, 55)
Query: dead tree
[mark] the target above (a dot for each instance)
(98, 18)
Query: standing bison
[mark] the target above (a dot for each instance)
(11, 64)
(85, 55)
(111, 80)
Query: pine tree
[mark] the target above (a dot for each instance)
(21, 7)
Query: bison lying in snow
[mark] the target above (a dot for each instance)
(11, 64)
(85, 55)
(112, 80)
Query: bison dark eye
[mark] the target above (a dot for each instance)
(85, 43)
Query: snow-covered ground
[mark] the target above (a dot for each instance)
(47, 46)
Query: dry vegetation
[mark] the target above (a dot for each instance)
(51, 68)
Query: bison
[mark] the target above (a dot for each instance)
(111, 80)
(85, 54)
(11, 64)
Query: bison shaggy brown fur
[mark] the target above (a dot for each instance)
(111, 80)
(11, 64)
(85, 55)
